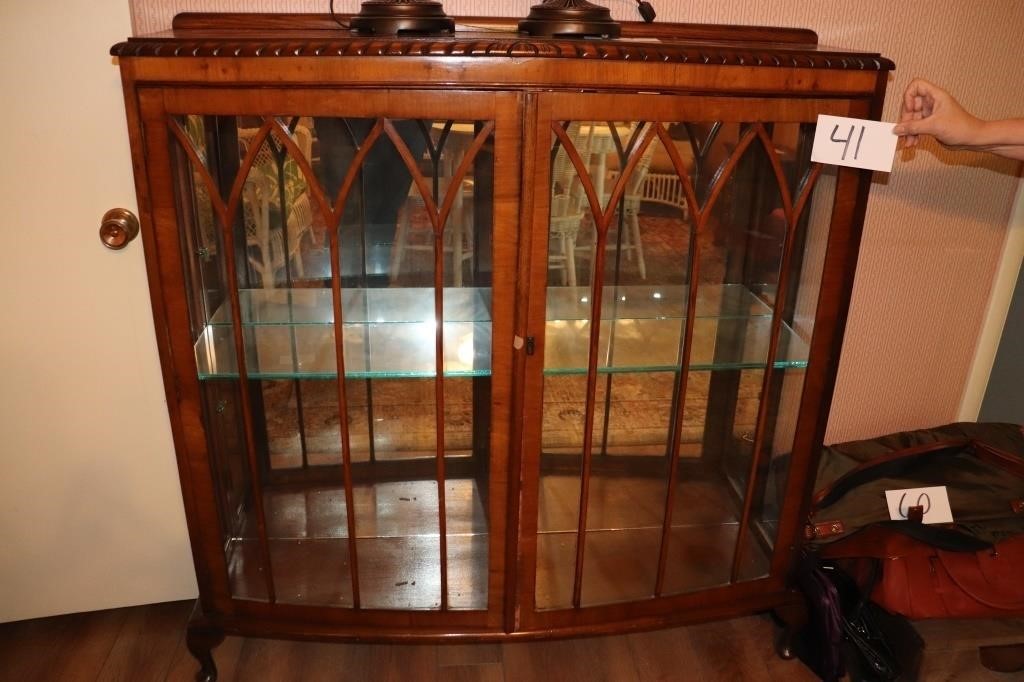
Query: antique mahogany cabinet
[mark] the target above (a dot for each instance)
(486, 335)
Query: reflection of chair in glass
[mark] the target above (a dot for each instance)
(631, 242)
(416, 235)
(265, 241)
(647, 186)
(665, 189)
(569, 204)
(412, 232)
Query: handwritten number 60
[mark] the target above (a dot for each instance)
(846, 141)
(923, 500)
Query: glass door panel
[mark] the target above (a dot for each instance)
(340, 287)
(610, 386)
(786, 384)
(675, 342)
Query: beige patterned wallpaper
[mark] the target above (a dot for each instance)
(935, 227)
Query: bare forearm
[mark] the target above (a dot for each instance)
(929, 110)
(1004, 137)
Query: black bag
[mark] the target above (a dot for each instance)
(847, 634)
(819, 644)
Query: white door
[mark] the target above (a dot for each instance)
(90, 507)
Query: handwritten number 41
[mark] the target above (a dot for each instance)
(846, 142)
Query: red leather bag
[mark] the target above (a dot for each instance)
(920, 581)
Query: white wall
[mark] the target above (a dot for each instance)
(90, 508)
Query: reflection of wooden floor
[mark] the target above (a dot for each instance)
(624, 522)
(399, 549)
(394, 573)
(397, 540)
(621, 565)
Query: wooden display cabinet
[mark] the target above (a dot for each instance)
(485, 336)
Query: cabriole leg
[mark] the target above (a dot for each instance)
(201, 639)
(793, 616)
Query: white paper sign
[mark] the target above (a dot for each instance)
(854, 142)
(934, 500)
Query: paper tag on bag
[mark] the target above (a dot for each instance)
(854, 142)
(935, 502)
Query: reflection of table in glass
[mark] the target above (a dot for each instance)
(603, 143)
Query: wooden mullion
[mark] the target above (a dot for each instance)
(602, 218)
(699, 221)
(442, 511)
(334, 215)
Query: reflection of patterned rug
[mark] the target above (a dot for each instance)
(641, 406)
(404, 420)
(403, 409)
(402, 413)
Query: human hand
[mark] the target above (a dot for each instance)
(929, 110)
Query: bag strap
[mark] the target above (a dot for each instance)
(1000, 458)
(881, 466)
(940, 537)
(895, 462)
(886, 539)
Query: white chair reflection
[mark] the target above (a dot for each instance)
(569, 206)
(267, 251)
(414, 234)
(648, 186)
(631, 243)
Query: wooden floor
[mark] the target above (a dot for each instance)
(146, 644)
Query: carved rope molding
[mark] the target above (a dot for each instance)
(512, 47)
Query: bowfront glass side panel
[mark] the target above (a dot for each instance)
(681, 285)
(339, 283)
(787, 387)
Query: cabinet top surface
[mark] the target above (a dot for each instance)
(314, 35)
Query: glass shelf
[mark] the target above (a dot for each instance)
(360, 306)
(372, 350)
(390, 333)
(654, 345)
(728, 301)
(642, 327)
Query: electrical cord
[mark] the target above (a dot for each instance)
(646, 10)
(338, 21)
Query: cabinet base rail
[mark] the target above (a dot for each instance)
(206, 631)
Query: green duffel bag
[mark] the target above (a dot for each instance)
(981, 466)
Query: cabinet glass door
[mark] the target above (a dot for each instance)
(681, 271)
(342, 296)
